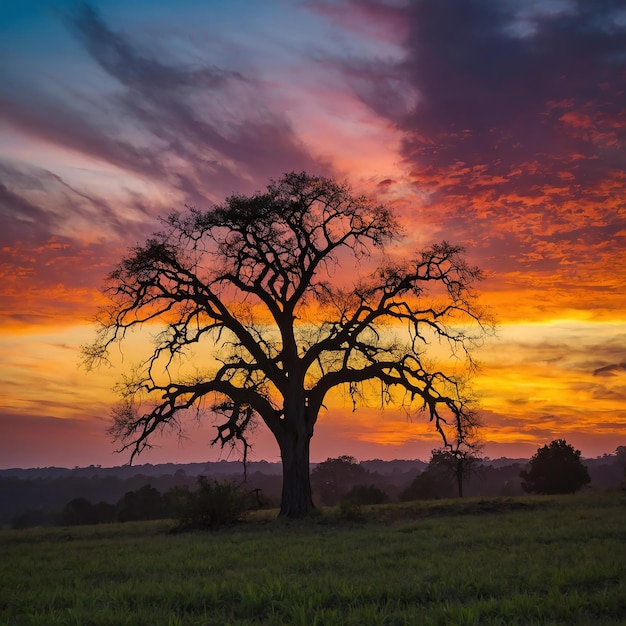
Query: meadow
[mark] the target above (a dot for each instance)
(531, 560)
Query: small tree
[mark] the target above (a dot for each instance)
(462, 461)
(555, 468)
(253, 284)
(447, 468)
(436, 481)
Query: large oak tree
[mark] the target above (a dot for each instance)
(267, 289)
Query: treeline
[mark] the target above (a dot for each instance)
(79, 498)
(26, 502)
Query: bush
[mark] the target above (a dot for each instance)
(212, 505)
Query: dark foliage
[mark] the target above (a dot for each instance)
(38, 497)
(429, 485)
(80, 511)
(555, 468)
(436, 481)
(144, 504)
(366, 494)
(333, 478)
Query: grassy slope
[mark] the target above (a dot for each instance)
(517, 561)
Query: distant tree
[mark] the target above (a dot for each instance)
(254, 284)
(78, 512)
(555, 468)
(335, 476)
(144, 504)
(436, 481)
(460, 462)
(447, 470)
(212, 505)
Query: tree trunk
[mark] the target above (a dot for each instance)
(459, 476)
(296, 500)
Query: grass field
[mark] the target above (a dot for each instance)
(556, 560)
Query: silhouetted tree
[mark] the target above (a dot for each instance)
(254, 284)
(555, 468)
(436, 481)
(459, 462)
(78, 512)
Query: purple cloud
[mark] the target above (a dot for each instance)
(513, 121)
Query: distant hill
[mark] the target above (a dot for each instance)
(213, 468)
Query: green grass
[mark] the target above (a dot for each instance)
(557, 560)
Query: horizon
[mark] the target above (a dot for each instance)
(263, 461)
(500, 128)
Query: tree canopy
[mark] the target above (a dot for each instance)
(257, 286)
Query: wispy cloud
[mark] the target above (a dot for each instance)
(200, 129)
(212, 120)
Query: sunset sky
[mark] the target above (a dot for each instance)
(499, 125)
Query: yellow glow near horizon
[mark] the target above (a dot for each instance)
(536, 381)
